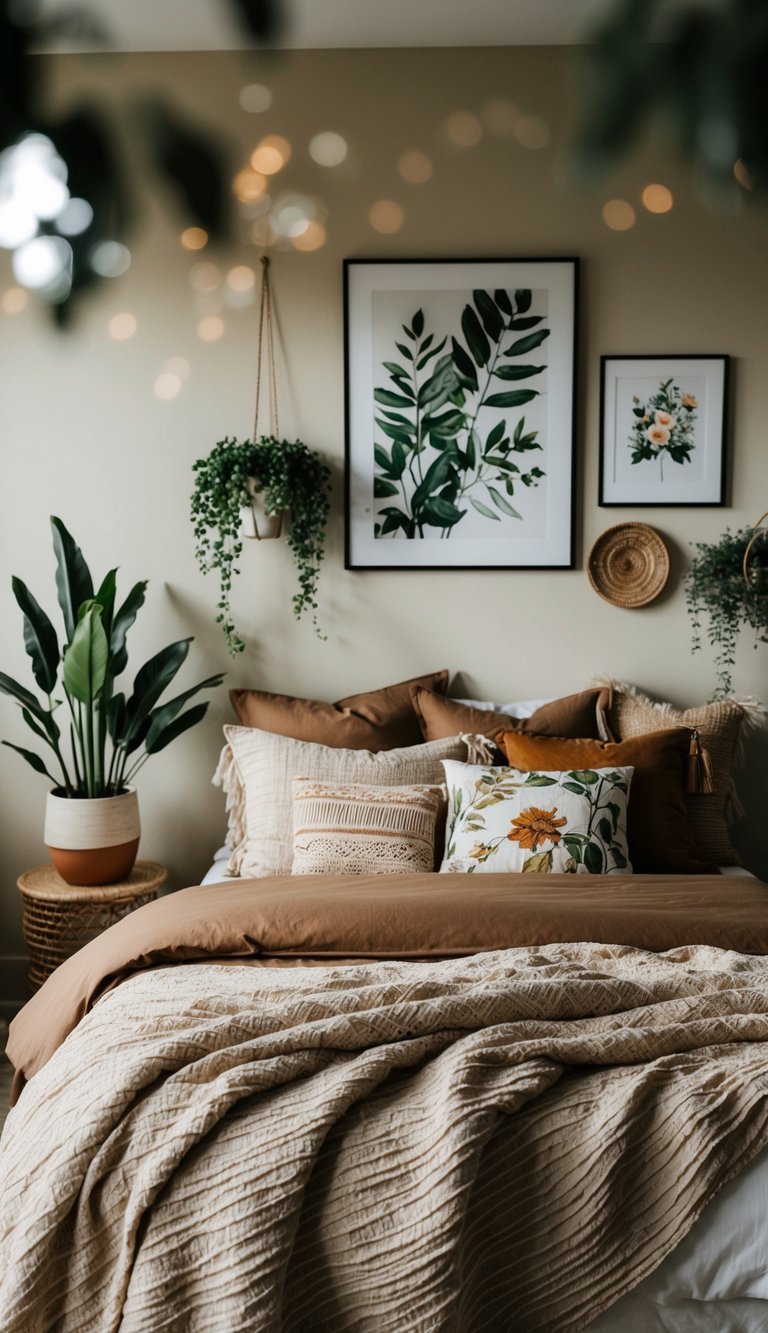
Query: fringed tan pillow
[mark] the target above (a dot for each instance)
(721, 728)
(360, 830)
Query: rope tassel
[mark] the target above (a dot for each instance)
(700, 778)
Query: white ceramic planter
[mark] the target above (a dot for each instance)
(257, 523)
(92, 841)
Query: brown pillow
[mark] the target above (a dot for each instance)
(722, 727)
(575, 715)
(378, 720)
(659, 835)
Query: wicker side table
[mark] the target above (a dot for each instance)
(59, 918)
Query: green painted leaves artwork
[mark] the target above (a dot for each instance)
(458, 440)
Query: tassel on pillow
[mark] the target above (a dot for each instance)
(700, 779)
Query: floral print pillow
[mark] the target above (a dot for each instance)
(503, 819)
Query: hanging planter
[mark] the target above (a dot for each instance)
(243, 488)
(728, 585)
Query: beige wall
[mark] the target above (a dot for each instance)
(84, 436)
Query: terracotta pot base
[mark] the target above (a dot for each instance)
(97, 865)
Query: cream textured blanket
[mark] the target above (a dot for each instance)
(506, 1141)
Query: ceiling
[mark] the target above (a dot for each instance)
(208, 25)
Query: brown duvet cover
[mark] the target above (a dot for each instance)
(509, 1132)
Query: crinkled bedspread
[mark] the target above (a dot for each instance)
(510, 1140)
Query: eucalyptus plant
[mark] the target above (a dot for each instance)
(106, 735)
(292, 477)
(716, 589)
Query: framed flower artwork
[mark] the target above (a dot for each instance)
(662, 430)
(459, 413)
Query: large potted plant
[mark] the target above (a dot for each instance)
(106, 736)
(288, 476)
(726, 585)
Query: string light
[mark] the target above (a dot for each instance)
(618, 215)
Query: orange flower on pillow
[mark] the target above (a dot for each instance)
(535, 826)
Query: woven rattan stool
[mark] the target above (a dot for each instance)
(59, 918)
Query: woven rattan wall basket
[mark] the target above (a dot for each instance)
(629, 565)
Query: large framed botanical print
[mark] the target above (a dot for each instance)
(459, 413)
(662, 430)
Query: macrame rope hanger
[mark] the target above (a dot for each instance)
(265, 525)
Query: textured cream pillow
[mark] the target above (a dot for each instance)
(357, 829)
(264, 764)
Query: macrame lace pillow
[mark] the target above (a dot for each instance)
(361, 830)
(503, 819)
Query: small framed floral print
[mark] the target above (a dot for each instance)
(662, 430)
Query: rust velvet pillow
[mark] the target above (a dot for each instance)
(382, 719)
(574, 715)
(659, 835)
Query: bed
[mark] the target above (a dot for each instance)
(407, 1102)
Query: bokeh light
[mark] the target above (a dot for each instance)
(249, 185)
(313, 238)
(110, 259)
(532, 132)
(292, 213)
(122, 326)
(241, 278)
(657, 199)
(618, 215)
(178, 366)
(194, 238)
(463, 129)
(386, 216)
(255, 97)
(271, 154)
(167, 386)
(44, 263)
(743, 175)
(328, 149)
(415, 167)
(14, 301)
(500, 117)
(76, 218)
(205, 276)
(210, 328)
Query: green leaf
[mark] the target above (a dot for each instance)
(49, 732)
(39, 638)
(440, 385)
(105, 596)
(404, 350)
(517, 372)
(499, 461)
(585, 775)
(464, 366)
(502, 300)
(398, 460)
(619, 857)
(435, 476)
(514, 398)
(86, 657)
(160, 717)
(473, 446)
(121, 624)
(523, 300)
(476, 340)
(149, 684)
(615, 813)
(441, 513)
(398, 372)
(417, 323)
(493, 322)
(541, 864)
(483, 509)
(389, 399)
(593, 858)
(495, 435)
(175, 729)
(525, 322)
(395, 432)
(527, 344)
(573, 846)
(501, 503)
(382, 489)
(539, 780)
(605, 829)
(22, 696)
(572, 786)
(34, 760)
(382, 457)
(74, 584)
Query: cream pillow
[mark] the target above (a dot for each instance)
(362, 830)
(502, 819)
(263, 765)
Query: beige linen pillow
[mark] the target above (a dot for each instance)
(356, 829)
(722, 727)
(264, 764)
